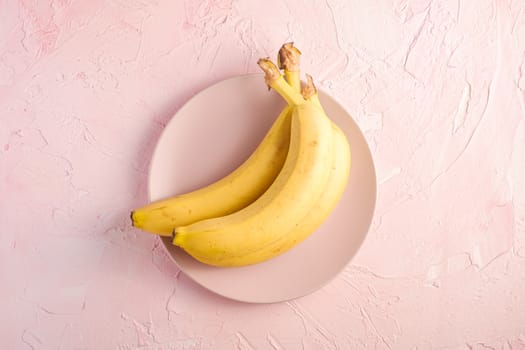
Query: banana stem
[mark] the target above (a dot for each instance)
(309, 91)
(288, 59)
(275, 80)
(293, 78)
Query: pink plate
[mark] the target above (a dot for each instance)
(215, 132)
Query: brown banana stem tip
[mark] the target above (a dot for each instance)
(289, 57)
(271, 72)
(308, 89)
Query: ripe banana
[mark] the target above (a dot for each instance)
(306, 190)
(277, 197)
(232, 193)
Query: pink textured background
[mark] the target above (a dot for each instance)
(438, 87)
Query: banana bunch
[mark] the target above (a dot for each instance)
(279, 196)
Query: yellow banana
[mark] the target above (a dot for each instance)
(280, 195)
(232, 193)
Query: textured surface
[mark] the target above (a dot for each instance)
(438, 87)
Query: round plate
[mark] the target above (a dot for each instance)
(215, 132)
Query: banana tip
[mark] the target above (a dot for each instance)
(174, 237)
(136, 219)
(288, 57)
(270, 70)
(309, 89)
